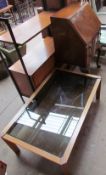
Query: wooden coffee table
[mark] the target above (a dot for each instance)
(49, 123)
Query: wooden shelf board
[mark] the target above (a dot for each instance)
(36, 57)
(27, 30)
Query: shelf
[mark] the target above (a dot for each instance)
(39, 62)
(37, 56)
(29, 29)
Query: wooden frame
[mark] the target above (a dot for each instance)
(18, 35)
(62, 161)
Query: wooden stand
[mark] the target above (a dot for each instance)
(29, 71)
(39, 63)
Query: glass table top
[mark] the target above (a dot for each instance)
(50, 120)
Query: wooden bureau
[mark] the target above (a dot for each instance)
(75, 29)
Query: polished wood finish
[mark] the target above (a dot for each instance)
(29, 29)
(39, 63)
(12, 146)
(75, 29)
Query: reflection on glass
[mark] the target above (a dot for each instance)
(28, 119)
(54, 123)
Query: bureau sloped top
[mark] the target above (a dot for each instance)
(82, 19)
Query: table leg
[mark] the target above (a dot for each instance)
(13, 147)
(98, 57)
(65, 169)
(98, 92)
